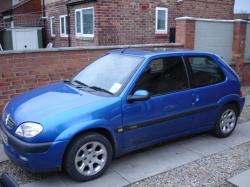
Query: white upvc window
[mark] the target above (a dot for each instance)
(63, 26)
(161, 21)
(84, 22)
(52, 26)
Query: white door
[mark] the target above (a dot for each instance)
(216, 37)
(25, 39)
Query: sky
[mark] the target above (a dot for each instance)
(242, 6)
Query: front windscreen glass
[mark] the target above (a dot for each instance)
(109, 73)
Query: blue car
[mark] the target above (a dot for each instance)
(125, 100)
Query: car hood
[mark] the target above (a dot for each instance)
(55, 99)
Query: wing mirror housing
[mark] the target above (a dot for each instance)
(139, 95)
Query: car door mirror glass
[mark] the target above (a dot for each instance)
(139, 95)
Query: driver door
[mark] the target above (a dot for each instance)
(167, 112)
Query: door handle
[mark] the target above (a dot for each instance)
(196, 98)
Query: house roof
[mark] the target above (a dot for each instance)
(9, 9)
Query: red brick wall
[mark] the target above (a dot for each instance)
(20, 72)
(185, 32)
(133, 22)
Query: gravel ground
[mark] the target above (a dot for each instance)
(20, 175)
(246, 90)
(212, 170)
(209, 171)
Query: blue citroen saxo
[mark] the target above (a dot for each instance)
(124, 101)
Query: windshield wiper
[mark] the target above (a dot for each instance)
(81, 83)
(100, 89)
(75, 83)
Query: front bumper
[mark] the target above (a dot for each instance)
(34, 157)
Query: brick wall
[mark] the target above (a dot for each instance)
(22, 71)
(133, 22)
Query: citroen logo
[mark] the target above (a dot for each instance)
(7, 119)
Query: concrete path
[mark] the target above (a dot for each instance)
(247, 101)
(3, 157)
(241, 180)
(137, 166)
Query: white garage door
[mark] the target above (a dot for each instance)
(25, 39)
(247, 48)
(216, 37)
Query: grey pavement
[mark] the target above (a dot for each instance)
(241, 180)
(140, 165)
(247, 101)
(3, 157)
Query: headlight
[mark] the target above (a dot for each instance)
(29, 129)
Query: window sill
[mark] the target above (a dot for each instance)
(64, 36)
(53, 36)
(85, 38)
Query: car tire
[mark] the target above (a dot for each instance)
(227, 121)
(88, 157)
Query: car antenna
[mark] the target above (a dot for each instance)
(123, 51)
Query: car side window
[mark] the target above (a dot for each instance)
(163, 75)
(204, 71)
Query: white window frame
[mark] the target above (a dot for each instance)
(81, 34)
(65, 25)
(52, 31)
(157, 31)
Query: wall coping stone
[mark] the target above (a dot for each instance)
(91, 48)
(212, 20)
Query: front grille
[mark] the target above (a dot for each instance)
(8, 121)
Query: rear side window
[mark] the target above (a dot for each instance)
(164, 75)
(204, 71)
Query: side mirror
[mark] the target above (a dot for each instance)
(139, 95)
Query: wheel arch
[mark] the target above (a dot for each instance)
(100, 130)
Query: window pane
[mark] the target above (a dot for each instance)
(78, 22)
(164, 75)
(52, 26)
(88, 25)
(204, 71)
(161, 22)
(62, 25)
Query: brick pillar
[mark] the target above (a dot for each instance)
(185, 32)
(239, 41)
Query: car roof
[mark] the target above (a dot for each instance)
(151, 52)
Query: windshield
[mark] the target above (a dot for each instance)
(109, 73)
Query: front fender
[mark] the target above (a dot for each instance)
(72, 131)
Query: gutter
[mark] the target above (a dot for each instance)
(68, 27)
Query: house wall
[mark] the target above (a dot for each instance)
(25, 70)
(133, 22)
